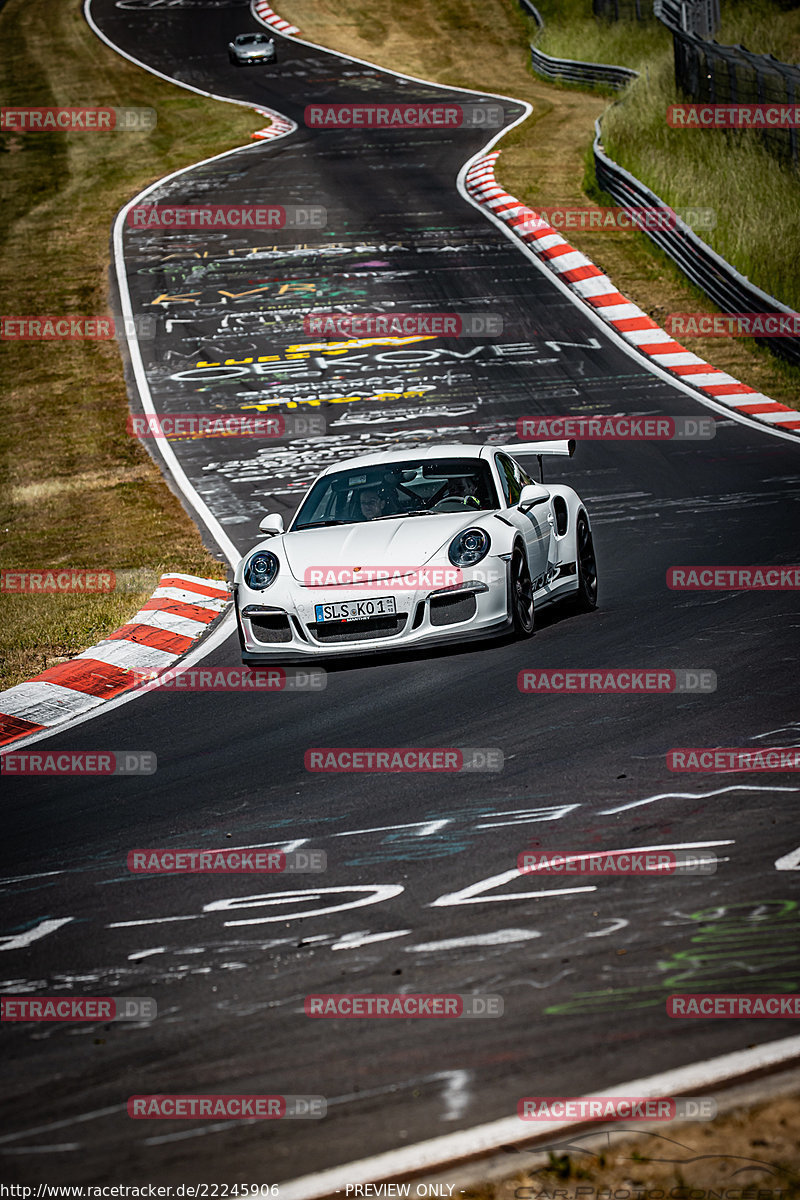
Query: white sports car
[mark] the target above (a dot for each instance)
(412, 549)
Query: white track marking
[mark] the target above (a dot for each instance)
(19, 941)
(617, 924)
(90, 1116)
(424, 828)
(351, 941)
(789, 862)
(25, 878)
(473, 893)
(444, 1152)
(743, 787)
(500, 937)
(377, 893)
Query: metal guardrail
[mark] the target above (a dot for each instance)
(721, 282)
(701, 17)
(567, 70)
(718, 279)
(532, 11)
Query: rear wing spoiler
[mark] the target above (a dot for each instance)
(564, 447)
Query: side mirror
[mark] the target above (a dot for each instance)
(271, 524)
(531, 495)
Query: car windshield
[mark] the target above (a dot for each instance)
(412, 488)
(251, 39)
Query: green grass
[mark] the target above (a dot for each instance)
(76, 490)
(571, 31)
(697, 168)
(726, 172)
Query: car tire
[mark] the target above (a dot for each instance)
(585, 599)
(521, 598)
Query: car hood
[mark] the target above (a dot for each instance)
(405, 542)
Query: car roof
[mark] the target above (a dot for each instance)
(441, 450)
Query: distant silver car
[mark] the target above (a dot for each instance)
(249, 48)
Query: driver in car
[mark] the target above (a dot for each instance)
(466, 488)
(370, 504)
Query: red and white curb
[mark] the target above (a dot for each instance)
(262, 12)
(180, 609)
(279, 128)
(595, 289)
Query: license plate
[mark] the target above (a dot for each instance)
(355, 610)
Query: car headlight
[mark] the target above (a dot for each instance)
(468, 548)
(261, 570)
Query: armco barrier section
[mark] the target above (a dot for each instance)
(566, 70)
(721, 282)
(715, 74)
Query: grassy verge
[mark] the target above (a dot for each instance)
(571, 31)
(77, 491)
(748, 1152)
(757, 227)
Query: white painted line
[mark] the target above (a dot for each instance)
(90, 1116)
(789, 862)
(743, 787)
(19, 941)
(500, 937)
(447, 1151)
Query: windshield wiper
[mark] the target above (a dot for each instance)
(319, 524)
(415, 512)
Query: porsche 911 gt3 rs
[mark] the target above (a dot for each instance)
(408, 549)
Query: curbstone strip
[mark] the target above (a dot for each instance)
(181, 608)
(596, 290)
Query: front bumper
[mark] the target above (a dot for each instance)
(280, 626)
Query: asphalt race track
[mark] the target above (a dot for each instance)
(420, 892)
